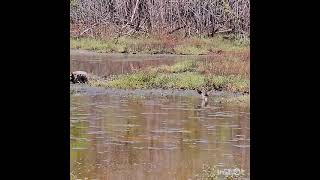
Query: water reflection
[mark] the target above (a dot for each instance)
(116, 137)
(112, 64)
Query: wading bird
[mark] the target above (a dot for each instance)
(204, 92)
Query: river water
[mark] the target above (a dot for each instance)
(153, 138)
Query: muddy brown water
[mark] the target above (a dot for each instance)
(112, 64)
(152, 138)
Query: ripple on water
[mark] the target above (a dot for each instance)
(195, 141)
(72, 108)
(208, 149)
(228, 125)
(79, 148)
(81, 127)
(81, 115)
(95, 133)
(214, 118)
(124, 125)
(99, 137)
(79, 139)
(174, 107)
(113, 143)
(155, 113)
(241, 146)
(181, 109)
(155, 148)
(171, 130)
(139, 148)
(196, 117)
(118, 115)
(222, 114)
(125, 142)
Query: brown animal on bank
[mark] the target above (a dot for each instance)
(79, 77)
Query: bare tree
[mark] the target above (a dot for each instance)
(107, 18)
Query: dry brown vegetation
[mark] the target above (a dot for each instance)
(227, 63)
(186, 18)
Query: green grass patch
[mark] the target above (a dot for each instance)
(181, 75)
(121, 45)
(185, 80)
(140, 80)
(198, 46)
(152, 45)
(180, 66)
(240, 100)
(92, 44)
(132, 81)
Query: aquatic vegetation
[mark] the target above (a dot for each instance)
(185, 80)
(241, 100)
(144, 79)
(181, 75)
(188, 65)
(131, 81)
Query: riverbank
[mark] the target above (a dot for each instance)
(160, 45)
(223, 65)
(228, 77)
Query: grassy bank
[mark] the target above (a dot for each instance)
(243, 100)
(187, 74)
(158, 45)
